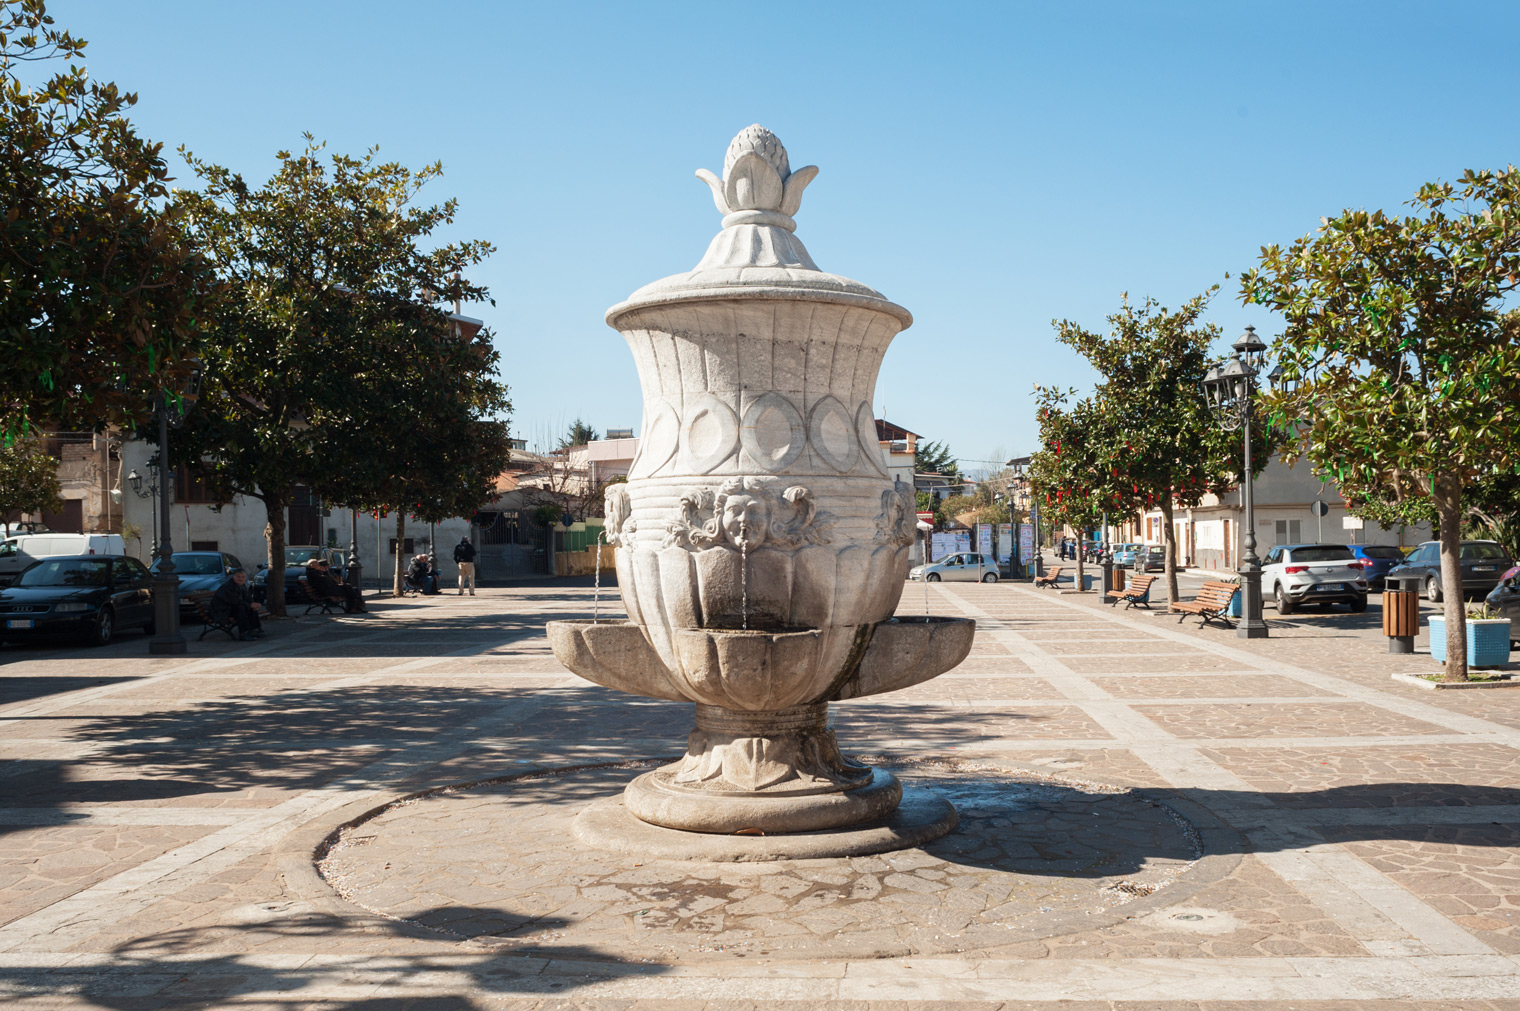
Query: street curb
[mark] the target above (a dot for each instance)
(1509, 681)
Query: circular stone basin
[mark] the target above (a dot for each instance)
(1034, 856)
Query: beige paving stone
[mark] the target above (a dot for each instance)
(1296, 719)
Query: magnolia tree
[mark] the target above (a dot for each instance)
(1076, 472)
(1154, 442)
(28, 481)
(330, 334)
(102, 294)
(1408, 369)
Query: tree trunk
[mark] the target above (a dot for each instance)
(1448, 502)
(397, 584)
(1169, 551)
(274, 538)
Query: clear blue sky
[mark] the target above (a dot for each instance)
(989, 166)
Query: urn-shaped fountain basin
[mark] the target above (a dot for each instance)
(761, 545)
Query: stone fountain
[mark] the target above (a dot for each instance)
(761, 546)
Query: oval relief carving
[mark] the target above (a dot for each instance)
(710, 434)
(870, 441)
(772, 433)
(662, 434)
(833, 434)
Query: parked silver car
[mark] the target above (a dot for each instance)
(964, 565)
(1297, 574)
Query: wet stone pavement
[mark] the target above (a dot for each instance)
(1153, 816)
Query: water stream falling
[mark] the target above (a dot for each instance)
(596, 593)
(744, 582)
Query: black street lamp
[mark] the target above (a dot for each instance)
(1230, 390)
(167, 637)
(135, 480)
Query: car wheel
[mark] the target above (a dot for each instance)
(1432, 590)
(105, 627)
(932, 577)
(990, 577)
(1359, 605)
(1284, 605)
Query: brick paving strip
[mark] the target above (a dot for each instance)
(226, 920)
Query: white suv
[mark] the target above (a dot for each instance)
(1298, 574)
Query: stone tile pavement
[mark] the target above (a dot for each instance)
(159, 820)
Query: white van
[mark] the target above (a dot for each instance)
(17, 552)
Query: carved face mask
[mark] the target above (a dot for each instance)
(746, 519)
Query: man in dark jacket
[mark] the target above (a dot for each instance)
(230, 602)
(319, 576)
(464, 557)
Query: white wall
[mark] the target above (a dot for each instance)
(238, 527)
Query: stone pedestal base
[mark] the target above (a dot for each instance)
(920, 818)
(768, 772)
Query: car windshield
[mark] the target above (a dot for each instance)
(66, 572)
(1382, 551)
(1482, 551)
(1321, 553)
(300, 556)
(196, 565)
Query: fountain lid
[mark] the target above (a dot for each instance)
(757, 254)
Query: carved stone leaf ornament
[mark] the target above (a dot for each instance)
(898, 522)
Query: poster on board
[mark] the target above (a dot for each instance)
(942, 543)
(1005, 542)
(984, 538)
(1026, 543)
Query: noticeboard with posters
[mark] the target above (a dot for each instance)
(1026, 543)
(984, 538)
(1005, 542)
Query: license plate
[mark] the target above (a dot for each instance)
(1330, 587)
(19, 623)
(1483, 568)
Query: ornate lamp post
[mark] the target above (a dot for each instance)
(167, 637)
(1230, 389)
(355, 573)
(151, 492)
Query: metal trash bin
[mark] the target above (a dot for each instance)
(1108, 575)
(1401, 612)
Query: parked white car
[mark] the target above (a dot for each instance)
(1297, 574)
(967, 566)
(21, 550)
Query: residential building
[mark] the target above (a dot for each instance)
(1288, 503)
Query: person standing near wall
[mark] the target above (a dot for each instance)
(464, 557)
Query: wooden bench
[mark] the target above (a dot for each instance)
(202, 603)
(313, 602)
(1136, 594)
(1210, 604)
(1049, 580)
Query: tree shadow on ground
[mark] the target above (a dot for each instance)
(174, 970)
(23, 688)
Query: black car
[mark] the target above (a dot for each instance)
(199, 572)
(1482, 564)
(79, 596)
(295, 568)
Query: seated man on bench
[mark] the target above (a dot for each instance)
(230, 604)
(319, 576)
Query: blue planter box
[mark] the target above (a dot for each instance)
(1487, 641)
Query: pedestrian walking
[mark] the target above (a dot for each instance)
(464, 557)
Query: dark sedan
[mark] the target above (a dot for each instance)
(199, 572)
(86, 597)
(1482, 563)
(1377, 559)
